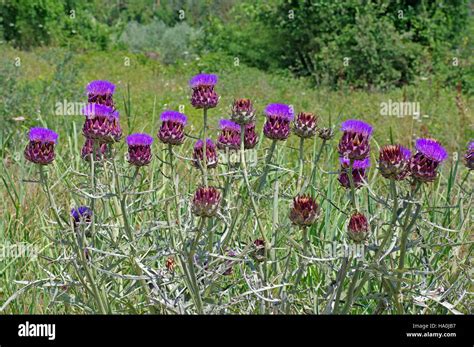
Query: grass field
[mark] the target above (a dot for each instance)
(129, 274)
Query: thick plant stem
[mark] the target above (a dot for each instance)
(52, 204)
(249, 188)
(311, 180)
(204, 149)
(379, 252)
(263, 177)
(301, 166)
(403, 244)
(192, 272)
(340, 282)
(174, 179)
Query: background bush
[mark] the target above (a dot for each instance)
(361, 44)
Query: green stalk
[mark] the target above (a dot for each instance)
(247, 183)
(204, 148)
(301, 165)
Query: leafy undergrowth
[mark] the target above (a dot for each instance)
(125, 273)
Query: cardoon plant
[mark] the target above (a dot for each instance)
(305, 125)
(172, 127)
(101, 92)
(102, 123)
(354, 144)
(358, 228)
(40, 148)
(277, 125)
(394, 162)
(100, 150)
(242, 111)
(304, 211)
(211, 159)
(359, 173)
(250, 136)
(204, 96)
(424, 164)
(139, 149)
(229, 136)
(206, 201)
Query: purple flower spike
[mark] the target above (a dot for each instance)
(40, 149)
(424, 164)
(172, 127)
(139, 149)
(203, 80)
(204, 95)
(88, 148)
(102, 123)
(394, 162)
(101, 92)
(211, 154)
(251, 137)
(469, 156)
(431, 149)
(356, 126)
(359, 174)
(279, 111)
(229, 136)
(354, 143)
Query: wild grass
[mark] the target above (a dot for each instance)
(128, 274)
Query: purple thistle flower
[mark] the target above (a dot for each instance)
(305, 125)
(206, 201)
(356, 126)
(139, 149)
(203, 80)
(242, 111)
(279, 111)
(229, 136)
(358, 228)
(469, 156)
(354, 143)
(88, 148)
(40, 148)
(172, 127)
(204, 95)
(175, 116)
(211, 154)
(358, 172)
(431, 149)
(394, 162)
(101, 92)
(81, 214)
(424, 164)
(102, 123)
(250, 136)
